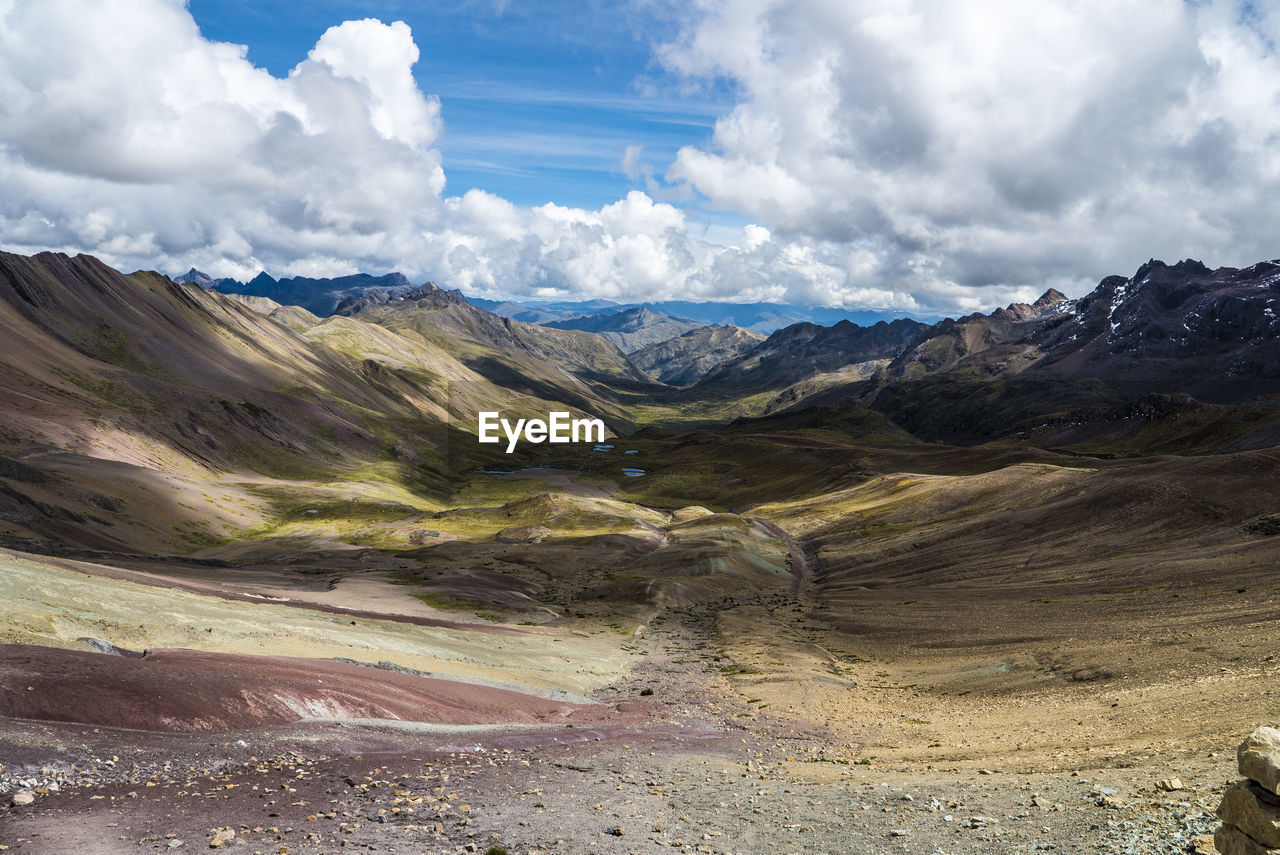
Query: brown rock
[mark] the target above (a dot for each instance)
(1232, 841)
(1168, 785)
(222, 837)
(523, 534)
(1245, 806)
(1202, 844)
(1259, 758)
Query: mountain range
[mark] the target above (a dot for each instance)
(629, 329)
(761, 318)
(319, 296)
(245, 541)
(1202, 339)
(322, 296)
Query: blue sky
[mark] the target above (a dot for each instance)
(539, 99)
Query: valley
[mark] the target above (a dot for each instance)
(959, 587)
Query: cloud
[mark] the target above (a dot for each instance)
(632, 163)
(127, 134)
(920, 155)
(964, 151)
(124, 132)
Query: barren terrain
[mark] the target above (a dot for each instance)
(796, 689)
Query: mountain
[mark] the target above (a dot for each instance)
(994, 343)
(630, 329)
(321, 296)
(763, 318)
(1175, 328)
(538, 312)
(683, 360)
(109, 379)
(804, 350)
(577, 367)
(1174, 357)
(207, 282)
(1179, 328)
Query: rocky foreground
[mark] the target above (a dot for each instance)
(693, 773)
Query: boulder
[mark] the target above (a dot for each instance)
(1202, 844)
(1259, 758)
(222, 837)
(1230, 840)
(1247, 807)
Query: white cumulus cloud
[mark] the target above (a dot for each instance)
(912, 154)
(970, 151)
(125, 133)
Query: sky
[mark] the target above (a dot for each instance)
(921, 156)
(540, 100)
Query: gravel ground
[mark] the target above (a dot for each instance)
(701, 776)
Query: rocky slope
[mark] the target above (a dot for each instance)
(582, 369)
(683, 360)
(804, 350)
(998, 343)
(1171, 329)
(1179, 328)
(1174, 357)
(630, 329)
(117, 386)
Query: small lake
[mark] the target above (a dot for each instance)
(633, 473)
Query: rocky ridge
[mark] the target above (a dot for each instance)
(683, 360)
(630, 329)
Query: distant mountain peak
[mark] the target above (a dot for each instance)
(322, 296)
(1020, 312)
(1052, 297)
(195, 277)
(631, 328)
(203, 280)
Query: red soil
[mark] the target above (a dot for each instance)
(183, 691)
